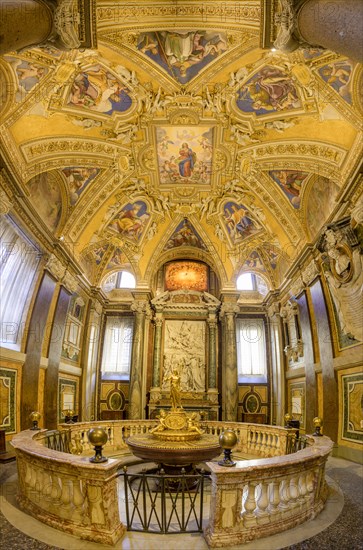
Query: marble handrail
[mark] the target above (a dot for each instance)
(68, 492)
(258, 498)
(254, 499)
(254, 439)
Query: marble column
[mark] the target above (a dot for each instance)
(336, 26)
(229, 362)
(212, 388)
(64, 24)
(140, 308)
(158, 321)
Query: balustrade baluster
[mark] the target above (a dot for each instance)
(249, 517)
(274, 491)
(66, 498)
(47, 484)
(262, 503)
(284, 495)
(302, 488)
(294, 491)
(78, 499)
(310, 485)
(56, 492)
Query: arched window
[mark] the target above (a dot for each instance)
(120, 279)
(117, 346)
(252, 281)
(246, 282)
(19, 259)
(251, 349)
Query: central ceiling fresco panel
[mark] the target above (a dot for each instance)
(185, 154)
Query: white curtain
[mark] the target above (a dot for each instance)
(117, 345)
(18, 264)
(251, 347)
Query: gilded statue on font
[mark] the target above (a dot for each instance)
(176, 425)
(175, 394)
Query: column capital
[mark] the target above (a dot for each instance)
(228, 309)
(285, 21)
(273, 309)
(74, 23)
(55, 267)
(158, 321)
(142, 307)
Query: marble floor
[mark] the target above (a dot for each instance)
(339, 526)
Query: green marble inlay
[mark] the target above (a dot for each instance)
(352, 405)
(8, 399)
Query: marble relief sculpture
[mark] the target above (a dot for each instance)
(345, 279)
(184, 346)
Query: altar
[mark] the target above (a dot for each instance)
(185, 340)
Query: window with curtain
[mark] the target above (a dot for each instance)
(251, 349)
(117, 346)
(19, 260)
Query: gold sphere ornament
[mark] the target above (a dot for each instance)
(227, 441)
(317, 421)
(35, 416)
(98, 438)
(68, 416)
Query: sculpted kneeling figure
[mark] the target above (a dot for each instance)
(161, 426)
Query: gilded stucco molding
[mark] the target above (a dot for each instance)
(225, 13)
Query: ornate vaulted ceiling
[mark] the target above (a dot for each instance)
(180, 137)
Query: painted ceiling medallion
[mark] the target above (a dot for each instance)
(183, 53)
(238, 222)
(291, 182)
(99, 90)
(269, 90)
(185, 235)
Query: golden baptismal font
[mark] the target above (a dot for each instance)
(177, 440)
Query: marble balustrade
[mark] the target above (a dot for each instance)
(254, 499)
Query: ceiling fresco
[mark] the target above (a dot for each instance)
(181, 137)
